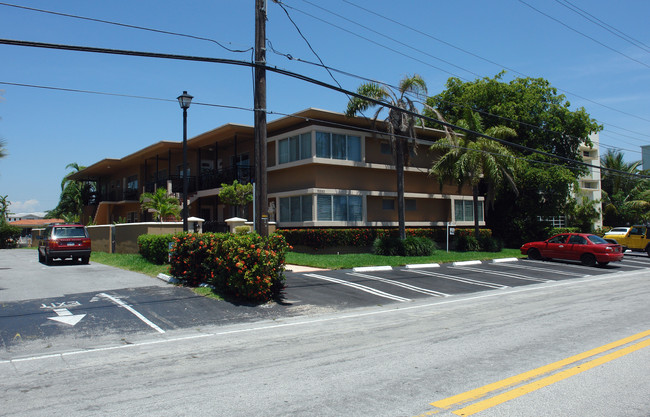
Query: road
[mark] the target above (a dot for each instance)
(389, 359)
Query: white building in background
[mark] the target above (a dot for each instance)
(589, 185)
(645, 157)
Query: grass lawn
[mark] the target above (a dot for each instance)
(130, 262)
(347, 261)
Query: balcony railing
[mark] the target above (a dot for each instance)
(208, 179)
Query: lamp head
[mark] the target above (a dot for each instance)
(184, 100)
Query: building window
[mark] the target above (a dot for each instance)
(464, 210)
(132, 217)
(388, 204)
(384, 148)
(296, 208)
(339, 208)
(554, 221)
(410, 204)
(337, 146)
(294, 148)
(132, 183)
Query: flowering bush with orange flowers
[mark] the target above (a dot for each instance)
(247, 266)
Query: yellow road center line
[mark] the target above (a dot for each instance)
(519, 391)
(505, 383)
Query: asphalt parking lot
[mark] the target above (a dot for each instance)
(69, 306)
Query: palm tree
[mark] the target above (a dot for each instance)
(74, 195)
(400, 125)
(161, 203)
(619, 189)
(470, 159)
(3, 151)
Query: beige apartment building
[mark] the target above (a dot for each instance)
(324, 169)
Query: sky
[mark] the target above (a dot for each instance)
(601, 64)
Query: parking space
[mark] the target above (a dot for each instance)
(41, 311)
(382, 285)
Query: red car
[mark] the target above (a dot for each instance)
(586, 248)
(64, 241)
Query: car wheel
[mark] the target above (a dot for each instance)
(588, 259)
(647, 250)
(534, 254)
(41, 259)
(85, 260)
(603, 263)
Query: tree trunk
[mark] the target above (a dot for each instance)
(399, 168)
(475, 201)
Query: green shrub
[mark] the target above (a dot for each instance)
(466, 243)
(155, 248)
(9, 235)
(388, 246)
(557, 230)
(242, 230)
(490, 244)
(246, 266)
(322, 238)
(418, 246)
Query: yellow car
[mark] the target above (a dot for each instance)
(635, 238)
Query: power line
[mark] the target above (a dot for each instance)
(486, 59)
(375, 42)
(585, 35)
(611, 29)
(279, 3)
(291, 74)
(108, 22)
(271, 112)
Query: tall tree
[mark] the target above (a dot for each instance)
(161, 203)
(619, 189)
(400, 125)
(237, 195)
(543, 121)
(74, 195)
(471, 159)
(3, 151)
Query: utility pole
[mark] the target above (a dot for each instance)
(261, 200)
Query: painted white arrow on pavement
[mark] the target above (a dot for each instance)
(65, 316)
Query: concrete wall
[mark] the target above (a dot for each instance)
(126, 235)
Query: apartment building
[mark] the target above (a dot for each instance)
(324, 169)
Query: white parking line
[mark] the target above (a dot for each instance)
(132, 310)
(463, 280)
(532, 268)
(401, 284)
(359, 287)
(627, 261)
(503, 274)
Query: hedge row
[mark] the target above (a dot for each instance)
(155, 248)
(322, 238)
(246, 266)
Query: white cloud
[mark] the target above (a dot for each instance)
(28, 206)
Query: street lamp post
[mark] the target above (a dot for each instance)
(184, 100)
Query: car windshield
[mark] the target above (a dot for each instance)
(618, 230)
(596, 239)
(69, 232)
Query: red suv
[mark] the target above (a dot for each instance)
(64, 241)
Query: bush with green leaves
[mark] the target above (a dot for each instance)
(466, 243)
(9, 235)
(388, 246)
(490, 244)
(155, 248)
(418, 246)
(557, 230)
(357, 237)
(247, 267)
(411, 246)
